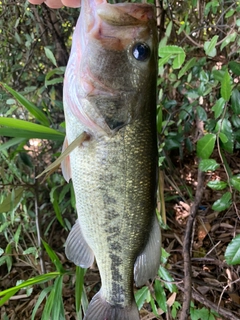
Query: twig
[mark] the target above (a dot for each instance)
(187, 245)
(39, 233)
(209, 304)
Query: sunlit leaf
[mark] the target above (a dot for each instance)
(217, 184)
(205, 145)
(226, 86)
(232, 254)
(229, 38)
(188, 65)
(223, 203)
(218, 107)
(209, 47)
(160, 295)
(141, 296)
(235, 181)
(35, 111)
(50, 56)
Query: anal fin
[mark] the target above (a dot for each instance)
(77, 249)
(100, 309)
(147, 263)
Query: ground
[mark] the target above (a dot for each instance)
(214, 283)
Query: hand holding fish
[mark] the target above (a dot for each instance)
(58, 3)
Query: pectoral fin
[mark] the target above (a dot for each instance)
(147, 263)
(77, 249)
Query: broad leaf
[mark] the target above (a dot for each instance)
(141, 296)
(226, 86)
(225, 127)
(209, 47)
(217, 184)
(160, 295)
(235, 181)
(50, 56)
(189, 64)
(223, 203)
(229, 38)
(218, 107)
(232, 254)
(235, 67)
(235, 101)
(208, 165)
(11, 202)
(205, 145)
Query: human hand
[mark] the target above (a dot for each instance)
(58, 3)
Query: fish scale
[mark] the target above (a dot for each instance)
(114, 170)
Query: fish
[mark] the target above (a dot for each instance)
(109, 100)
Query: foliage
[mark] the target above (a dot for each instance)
(198, 114)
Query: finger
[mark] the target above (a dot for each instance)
(53, 3)
(72, 3)
(36, 1)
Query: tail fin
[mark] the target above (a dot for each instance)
(100, 309)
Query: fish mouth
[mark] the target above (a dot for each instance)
(125, 14)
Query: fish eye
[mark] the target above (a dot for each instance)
(141, 51)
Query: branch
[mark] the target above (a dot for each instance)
(187, 246)
(209, 304)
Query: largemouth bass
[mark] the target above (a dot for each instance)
(110, 100)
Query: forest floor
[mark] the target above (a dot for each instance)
(214, 283)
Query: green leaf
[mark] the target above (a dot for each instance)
(40, 299)
(50, 56)
(175, 52)
(235, 67)
(217, 184)
(208, 165)
(235, 101)
(10, 203)
(202, 115)
(232, 254)
(80, 272)
(209, 47)
(229, 13)
(35, 111)
(189, 64)
(223, 137)
(235, 181)
(25, 129)
(223, 203)
(160, 295)
(164, 60)
(165, 275)
(225, 127)
(7, 294)
(205, 145)
(26, 134)
(179, 60)
(229, 38)
(141, 296)
(54, 258)
(22, 124)
(226, 86)
(218, 107)
(58, 308)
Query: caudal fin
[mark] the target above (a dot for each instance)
(100, 309)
